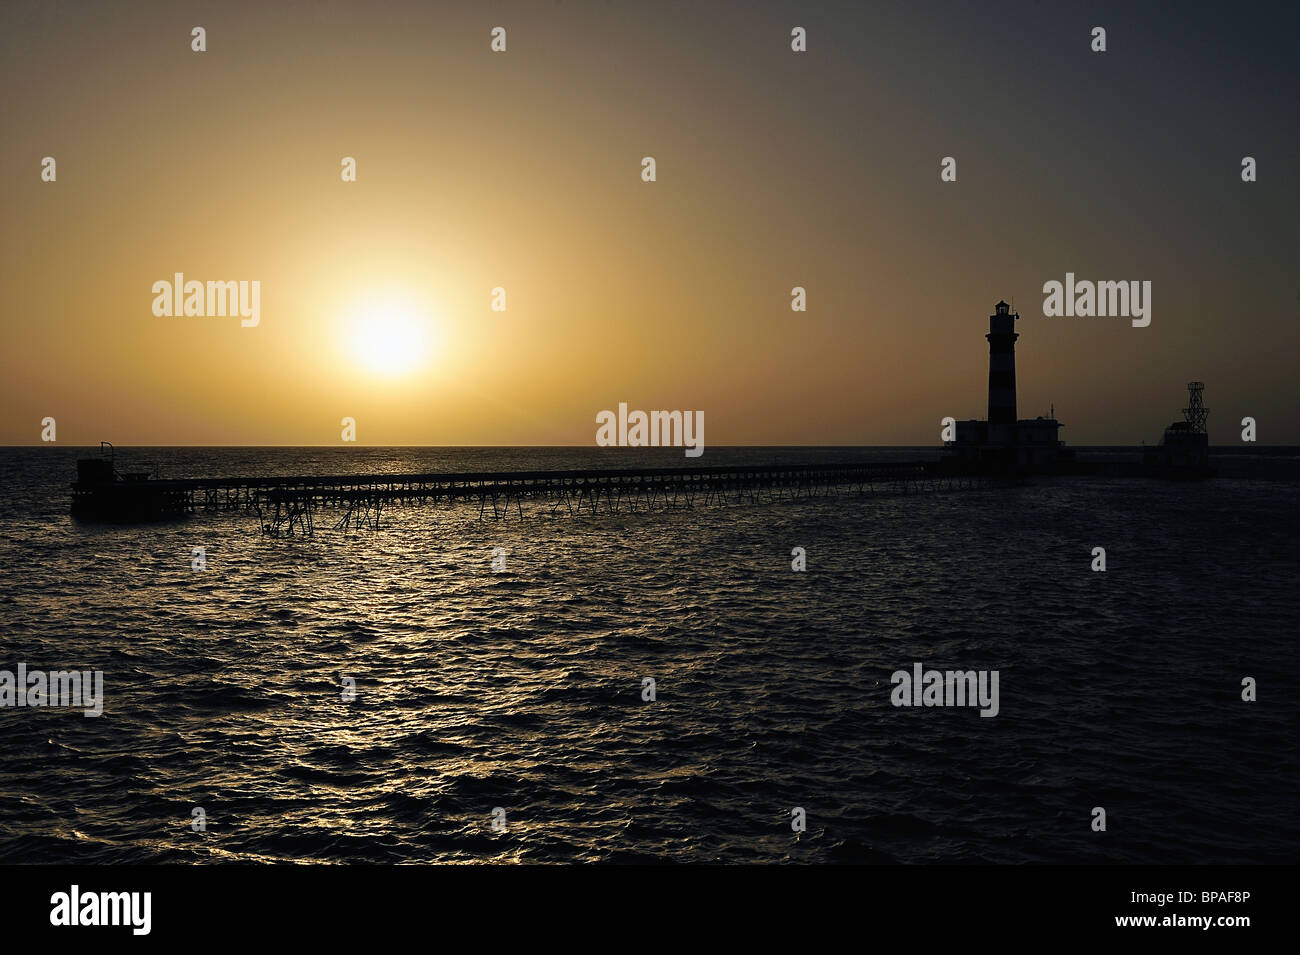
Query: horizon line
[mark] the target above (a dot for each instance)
(543, 447)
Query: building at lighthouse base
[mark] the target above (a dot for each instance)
(1027, 444)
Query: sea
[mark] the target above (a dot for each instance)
(655, 686)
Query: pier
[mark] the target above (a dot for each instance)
(295, 504)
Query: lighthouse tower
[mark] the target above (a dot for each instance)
(1003, 441)
(1002, 372)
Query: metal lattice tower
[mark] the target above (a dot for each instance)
(1196, 412)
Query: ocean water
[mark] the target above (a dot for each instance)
(522, 690)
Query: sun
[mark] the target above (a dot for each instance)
(390, 338)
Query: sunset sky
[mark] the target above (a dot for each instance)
(523, 170)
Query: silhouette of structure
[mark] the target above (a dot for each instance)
(1184, 451)
(1003, 442)
(291, 503)
(1002, 368)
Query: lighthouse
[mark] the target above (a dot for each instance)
(1003, 441)
(1002, 367)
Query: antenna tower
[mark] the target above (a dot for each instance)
(1196, 412)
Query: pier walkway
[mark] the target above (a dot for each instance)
(290, 504)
